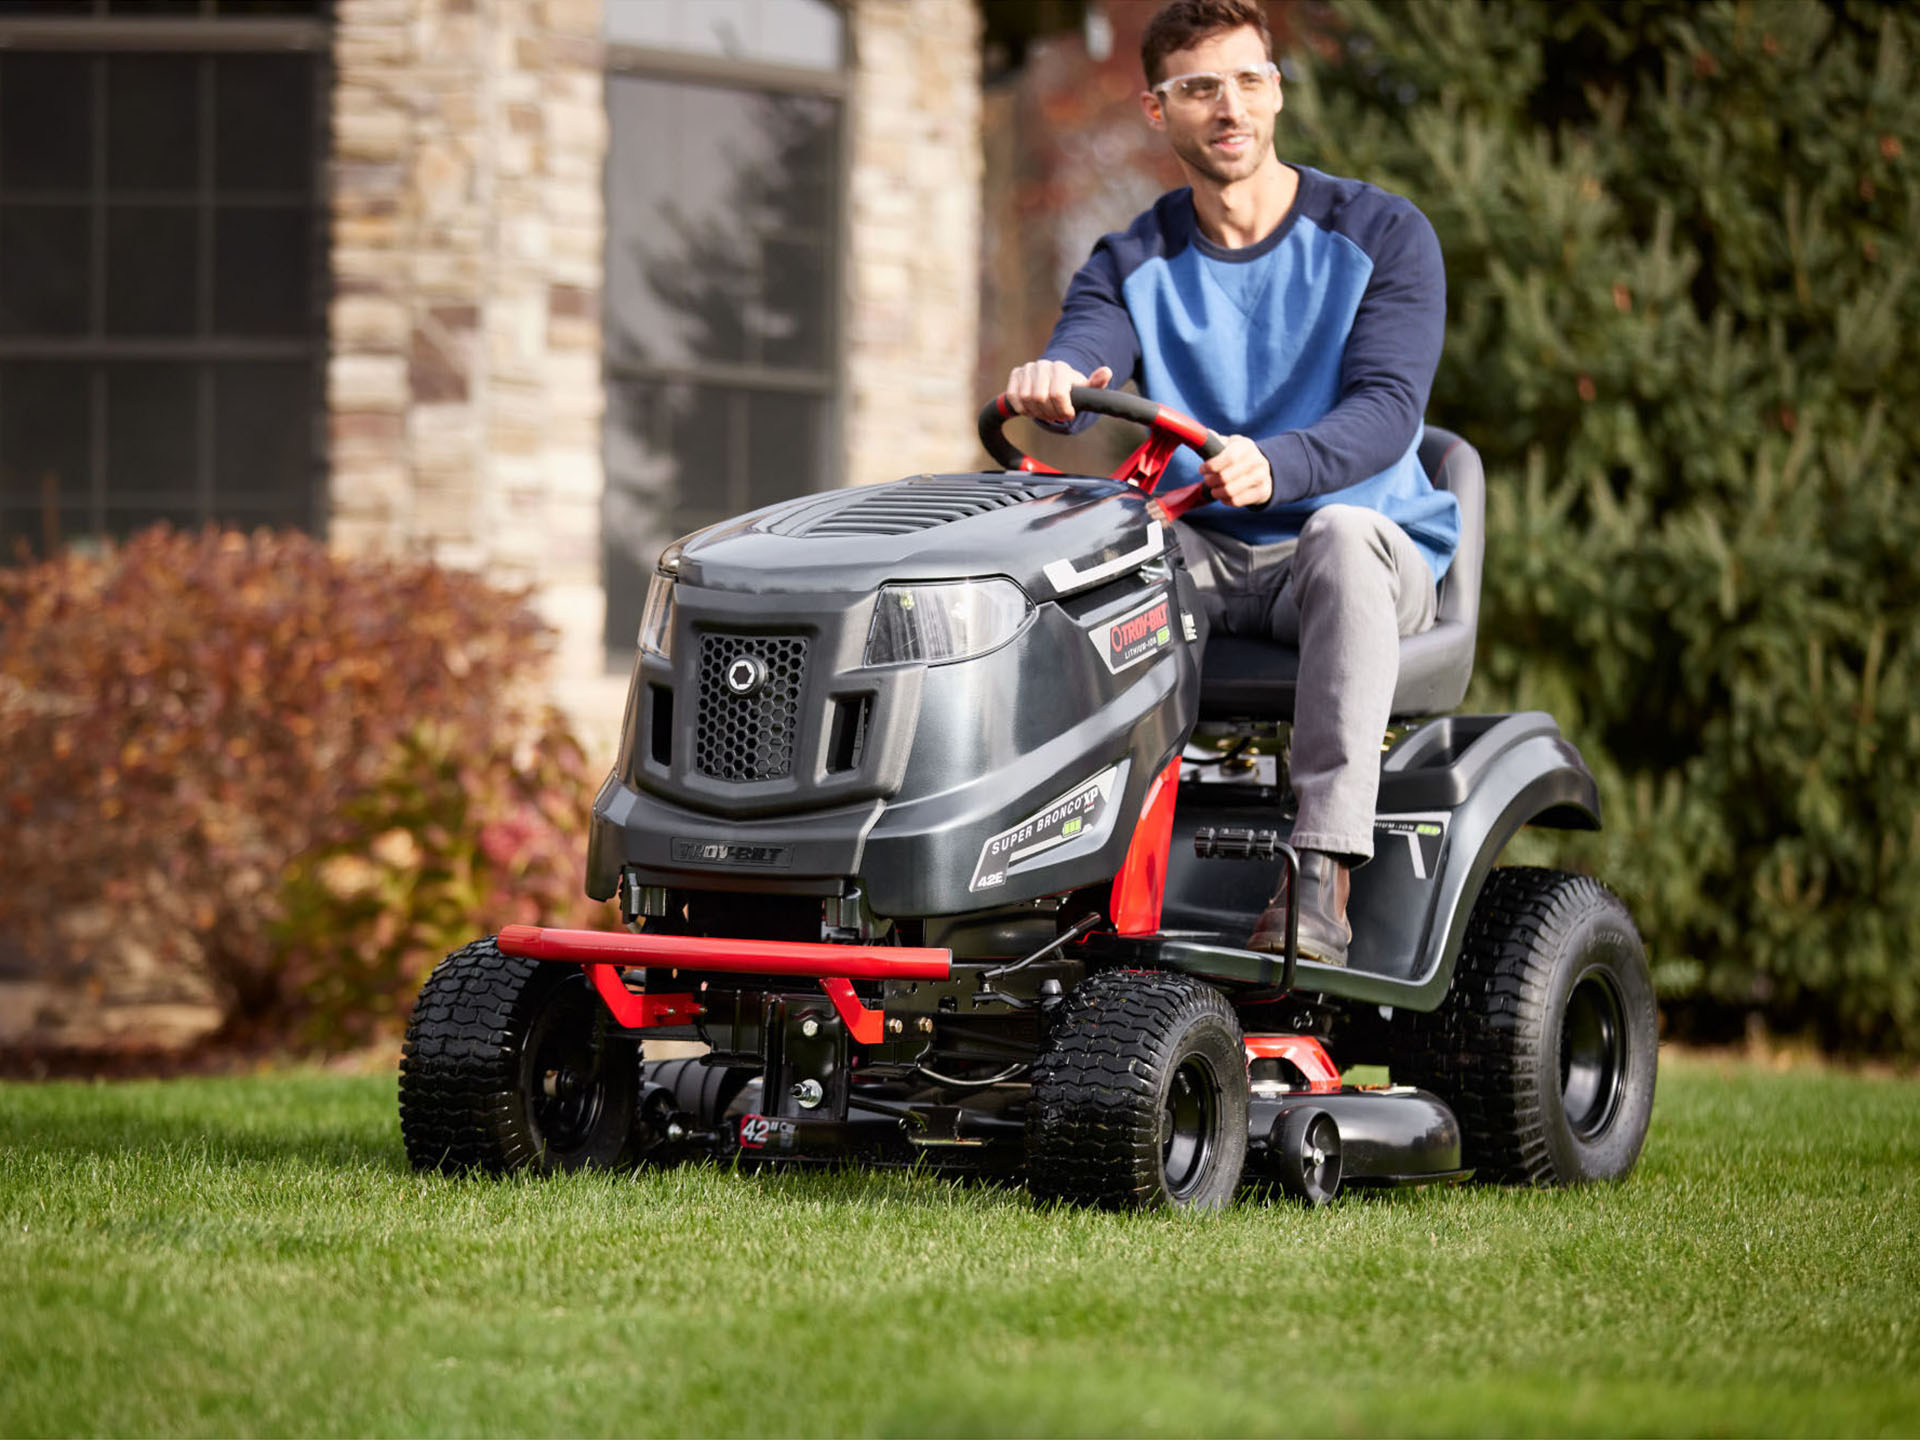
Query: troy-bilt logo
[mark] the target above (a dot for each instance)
(1132, 638)
(726, 852)
(1128, 633)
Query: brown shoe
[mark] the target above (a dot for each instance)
(1324, 931)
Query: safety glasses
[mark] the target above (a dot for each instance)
(1203, 87)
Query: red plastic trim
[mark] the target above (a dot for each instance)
(868, 1027)
(1141, 885)
(637, 1011)
(1304, 1053)
(1146, 464)
(1038, 467)
(1176, 503)
(749, 957)
(641, 1012)
(1190, 430)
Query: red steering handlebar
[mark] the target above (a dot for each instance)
(1167, 431)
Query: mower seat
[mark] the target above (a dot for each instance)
(1248, 679)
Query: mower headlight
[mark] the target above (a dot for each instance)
(656, 621)
(949, 620)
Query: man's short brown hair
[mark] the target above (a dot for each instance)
(1188, 22)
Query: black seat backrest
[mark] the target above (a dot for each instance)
(1251, 679)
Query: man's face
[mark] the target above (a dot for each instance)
(1230, 136)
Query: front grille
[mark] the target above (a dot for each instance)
(907, 506)
(749, 737)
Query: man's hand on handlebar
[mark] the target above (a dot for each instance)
(1239, 474)
(1039, 388)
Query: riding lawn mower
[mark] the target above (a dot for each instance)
(939, 822)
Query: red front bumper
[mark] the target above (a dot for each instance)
(604, 954)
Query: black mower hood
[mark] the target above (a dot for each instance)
(1053, 536)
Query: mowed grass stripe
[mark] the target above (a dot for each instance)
(252, 1256)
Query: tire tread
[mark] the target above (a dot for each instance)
(1093, 1135)
(457, 1064)
(1482, 1048)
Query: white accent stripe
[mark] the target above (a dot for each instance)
(1064, 578)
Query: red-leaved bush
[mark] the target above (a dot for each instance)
(193, 727)
(452, 843)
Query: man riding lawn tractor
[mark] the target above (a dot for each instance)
(1272, 301)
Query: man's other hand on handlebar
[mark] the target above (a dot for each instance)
(1239, 475)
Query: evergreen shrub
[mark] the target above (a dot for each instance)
(309, 775)
(1683, 320)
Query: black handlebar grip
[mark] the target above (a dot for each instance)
(1092, 400)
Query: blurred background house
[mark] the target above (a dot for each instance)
(530, 286)
(524, 287)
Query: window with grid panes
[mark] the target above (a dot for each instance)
(723, 181)
(162, 254)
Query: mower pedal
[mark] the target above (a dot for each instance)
(1225, 842)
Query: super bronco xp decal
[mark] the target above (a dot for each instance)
(1079, 812)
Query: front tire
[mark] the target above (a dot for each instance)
(1546, 1044)
(1140, 1100)
(510, 1063)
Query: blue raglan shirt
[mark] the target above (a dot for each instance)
(1319, 343)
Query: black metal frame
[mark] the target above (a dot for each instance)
(208, 35)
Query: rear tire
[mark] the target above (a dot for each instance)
(509, 1063)
(1140, 1100)
(1546, 1045)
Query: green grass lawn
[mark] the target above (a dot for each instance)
(244, 1256)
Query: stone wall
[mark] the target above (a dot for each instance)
(464, 381)
(913, 259)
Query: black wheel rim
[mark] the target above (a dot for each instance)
(1187, 1121)
(567, 1082)
(1593, 1055)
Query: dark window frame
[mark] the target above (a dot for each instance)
(689, 68)
(206, 37)
(827, 382)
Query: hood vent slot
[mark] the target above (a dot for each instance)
(901, 509)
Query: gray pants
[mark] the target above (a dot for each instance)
(1343, 593)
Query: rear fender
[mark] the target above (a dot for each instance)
(1482, 777)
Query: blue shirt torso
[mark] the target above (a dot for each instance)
(1319, 342)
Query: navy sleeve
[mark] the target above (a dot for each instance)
(1094, 328)
(1386, 370)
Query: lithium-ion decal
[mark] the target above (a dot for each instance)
(1423, 835)
(1074, 814)
(1132, 638)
